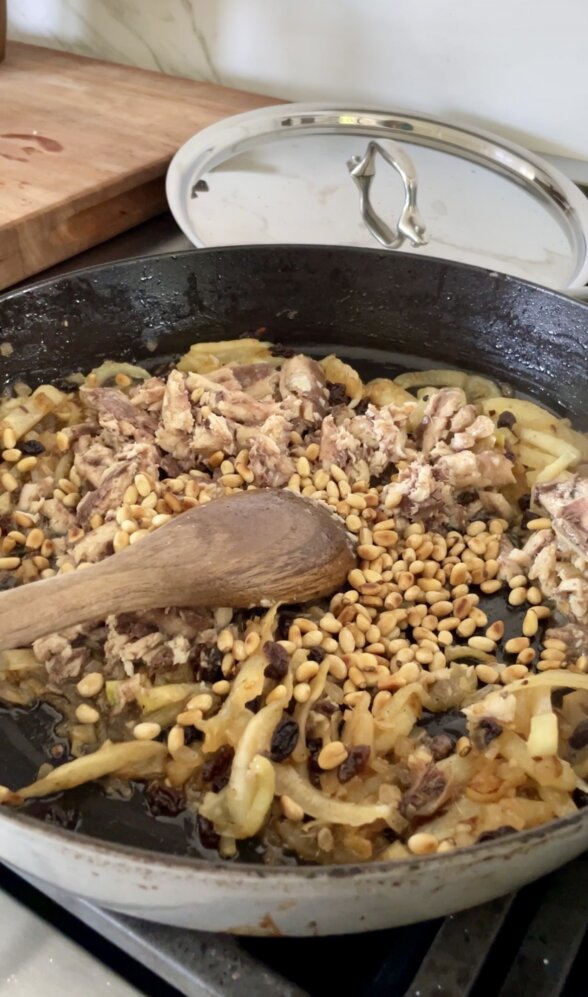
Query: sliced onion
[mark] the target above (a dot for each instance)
(290, 783)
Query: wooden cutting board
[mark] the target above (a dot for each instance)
(84, 147)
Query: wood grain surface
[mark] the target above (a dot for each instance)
(84, 147)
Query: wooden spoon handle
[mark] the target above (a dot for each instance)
(240, 551)
(77, 597)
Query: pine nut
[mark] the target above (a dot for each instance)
(491, 586)
(9, 482)
(487, 674)
(146, 731)
(175, 739)
(8, 438)
(512, 673)
(517, 581)
(87, 714)
(466, 628)
(541, 523)
(530, 623)
(534, 596)
(221, 688)
(422, 843)
(346, 641)
(482, 644)
(91, 685)
(9, 563)
(331, 756)
(495, 631)
(517, 596)
(302, 692)
(27, 464)
(293, 811)
(202, 701)
(516, 644)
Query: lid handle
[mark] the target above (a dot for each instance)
(363, 170)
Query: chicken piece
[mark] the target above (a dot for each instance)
(543, 563)
(469, 470)
(482, 428)
(383, 434)
(365, 445)
(439, 411)
(60, 519)
(131, 460)
(574, 635)
(148, 394)
(92, 460)
(571, 596)
(95, 545)
(428, 792)
(303, 380)
(496, 505)
(187, 623)
(339, 446)
(567, 503)
(419, 493)
(514, 561)
(119, 418)
(62, 661)
(259, 380)
(174, 433)
(213, 433)
(268, 453)
(224, 397)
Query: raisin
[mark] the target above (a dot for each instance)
(578, 739)
(277, 657)
(506, 420)
(337, 394)
(6, 524)
(32, 448)
(164, 801)
(285, 620)
(441, 746)
(325, 706)
(314, 745)
(355, 762)
(254, 704)
(279, 350)
(162, 661)
(208, 836)
(206, 663)
(217, 769)
(361, 409)
(316, 654)
(486, 731)
(498, 832)
(453, 723)
(580, 798)
(284, 739)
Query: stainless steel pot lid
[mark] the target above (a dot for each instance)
(310, 173)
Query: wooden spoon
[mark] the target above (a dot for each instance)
(245, 550)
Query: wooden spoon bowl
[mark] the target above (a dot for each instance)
(246, 550)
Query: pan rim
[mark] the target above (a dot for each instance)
(298, 249)
(253, 871)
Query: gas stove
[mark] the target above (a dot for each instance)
(532, 942)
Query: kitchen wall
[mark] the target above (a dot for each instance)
(515, 66)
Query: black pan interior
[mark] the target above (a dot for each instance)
(382, 311)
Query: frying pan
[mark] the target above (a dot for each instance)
(382, 311)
